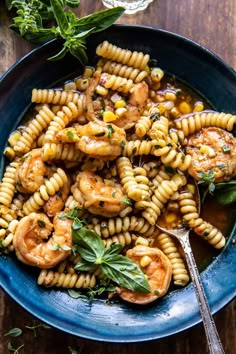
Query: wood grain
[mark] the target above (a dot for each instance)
(211, 23)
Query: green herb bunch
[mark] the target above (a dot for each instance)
(94, 254)
(225, 192)
(39, 21)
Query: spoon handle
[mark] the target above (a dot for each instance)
(212, 335)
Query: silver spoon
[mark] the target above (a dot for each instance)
(212, 335)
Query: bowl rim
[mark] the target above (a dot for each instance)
(230, 71)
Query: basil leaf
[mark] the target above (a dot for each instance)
(14, 332)
(84, 266)
(225, 184)
(126, 273)
(100, 20)
(91, 245)
(60, 16)
(111, 251)
(226, 196)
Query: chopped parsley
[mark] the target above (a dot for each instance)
(41, 223)
(110, 130)
(225, 149)
(126, 200)
(70, 135)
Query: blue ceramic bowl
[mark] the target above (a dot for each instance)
(120, 322)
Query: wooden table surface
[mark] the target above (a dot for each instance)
(211, 23)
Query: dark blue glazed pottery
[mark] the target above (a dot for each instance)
(119, 322)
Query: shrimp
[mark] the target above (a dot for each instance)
(212, 149)
(137, 101)
(100, 140)
(56, 202)
(100, 198)
(139, 95)
(33, 245)
(158, 272)
(31, 171)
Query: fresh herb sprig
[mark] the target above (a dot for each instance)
(207, 178)
(114, 266)
(39, 21)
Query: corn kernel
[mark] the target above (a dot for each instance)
(109, 116)
(159, 98)
(185, 107)
(170, 96)
(145, 261)
(191, 188)
(198, 107)
(9, 153)
(88, 72)
(157, 74)
(120, 111)
(205, 149)
(82, 84)
(100, 90)
(170, 218)
(14, 137)
(179, 180)
(141, 241)
(120, 104)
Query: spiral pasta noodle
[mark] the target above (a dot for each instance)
(160, 197)
(208, 232)
(57, 151)
(49, 278)
(110, 227)
(6, 216)
(196, 122)
(49, 188)
(142, 147)
(34, 129)
(167, 245)
(159, 128)
(126, 71)
(116, 83)
(124, 56)
(61, 120)
(8, 184)
(55, 97)
(123, 238)
(143, 125)
(128, 181)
